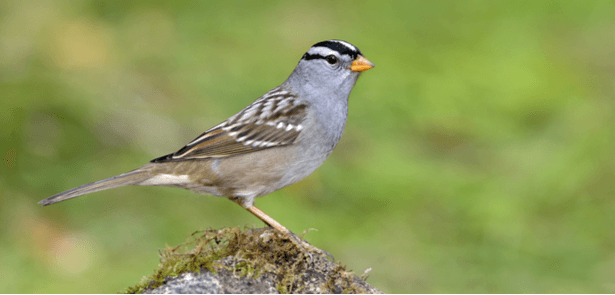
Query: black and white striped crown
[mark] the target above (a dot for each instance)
(325, 48)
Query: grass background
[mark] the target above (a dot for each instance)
(478, 154)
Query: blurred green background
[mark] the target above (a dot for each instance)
(478, 154)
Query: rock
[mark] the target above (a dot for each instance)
(254, 261)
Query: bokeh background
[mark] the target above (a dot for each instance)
(479, 155)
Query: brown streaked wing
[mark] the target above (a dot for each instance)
(281, 127)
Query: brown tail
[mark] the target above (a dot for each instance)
(129, 178)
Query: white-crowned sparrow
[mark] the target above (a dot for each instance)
(276, 141)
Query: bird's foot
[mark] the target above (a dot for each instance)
(306, 247)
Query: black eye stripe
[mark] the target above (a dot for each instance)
(308, 56)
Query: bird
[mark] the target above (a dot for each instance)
(277, 140)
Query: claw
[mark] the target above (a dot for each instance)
(305, 247)
(301, 244)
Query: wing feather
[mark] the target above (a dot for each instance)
(273, 120)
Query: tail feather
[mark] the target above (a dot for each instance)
(129, 178)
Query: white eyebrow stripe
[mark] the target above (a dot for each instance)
(350, 46)
(324, 51)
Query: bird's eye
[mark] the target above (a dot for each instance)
(331, 59)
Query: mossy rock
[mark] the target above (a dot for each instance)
(233, 260)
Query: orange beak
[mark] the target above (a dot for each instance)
(361, 64)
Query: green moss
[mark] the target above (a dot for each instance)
(209, 246)
(253, 255)
(340, 277)
(254, 252)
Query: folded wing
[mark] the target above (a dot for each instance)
(273, 120)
